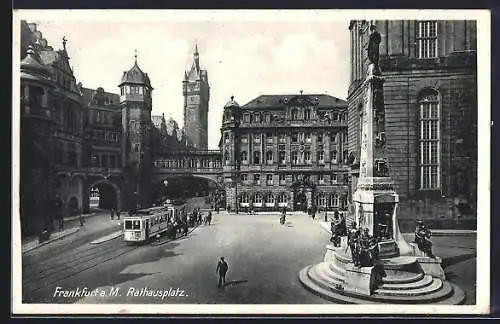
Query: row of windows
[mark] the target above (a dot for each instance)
(295, 114)
(322, 179)
(104, 160)
(322, 200)
(100, 117)
(297, 157)
(296, 137)
(188, 163)
(102, 135)
(101, 101)
(134, 90)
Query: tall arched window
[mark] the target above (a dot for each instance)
(257, 199)
(244, 157)
(282, 199)
(269, 157)
(307, 114)
(430, 136)
(256, 157)
(295, 114)
(321, 200)
(334, 200)
(270, 200)
(295, 157)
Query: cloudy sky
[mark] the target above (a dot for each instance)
(245, 57)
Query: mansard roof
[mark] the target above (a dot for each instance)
(280, 100)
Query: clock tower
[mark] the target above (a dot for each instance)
(196, 92)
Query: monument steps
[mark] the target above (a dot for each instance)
(422, 289)
(426, 289)
(415, 284)
(323, 270)
(327, 293)
(402, 277)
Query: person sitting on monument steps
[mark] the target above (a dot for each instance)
(422, 238)
(368, 249)
(338, 229)
(352, 242)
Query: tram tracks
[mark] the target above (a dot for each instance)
(49, 276)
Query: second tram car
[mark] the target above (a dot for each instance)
(140, 225)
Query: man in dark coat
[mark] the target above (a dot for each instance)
(422, 238)
(221, 270)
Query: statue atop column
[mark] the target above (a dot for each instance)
(373, 48)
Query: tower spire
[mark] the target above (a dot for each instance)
(196, 56)
(135, 56)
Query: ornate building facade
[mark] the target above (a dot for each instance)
(285, 151)
(76, 142)
(430, 93)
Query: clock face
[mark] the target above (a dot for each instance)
(193, 99)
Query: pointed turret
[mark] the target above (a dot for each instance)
(196, 56)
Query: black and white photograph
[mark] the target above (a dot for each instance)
(251, 161)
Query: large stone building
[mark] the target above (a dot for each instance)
(285, 151)
(430, 93)
(76, 142)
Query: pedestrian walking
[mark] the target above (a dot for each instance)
(82, 220)
(186, 228)
(112, 214)
(118, 214)
(221, 270)
(209, 217)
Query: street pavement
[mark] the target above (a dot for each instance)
(264, 259)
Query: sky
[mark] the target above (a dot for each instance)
(243, 57)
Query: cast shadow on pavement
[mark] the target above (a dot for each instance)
(234, 282)
(449, 261)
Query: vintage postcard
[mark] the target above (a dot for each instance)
(314, 162)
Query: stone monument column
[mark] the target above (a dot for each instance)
(353, 272)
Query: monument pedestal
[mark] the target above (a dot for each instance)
(360, 280)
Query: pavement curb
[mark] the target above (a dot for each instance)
(107, 238)
(72, 231)
(67, 219)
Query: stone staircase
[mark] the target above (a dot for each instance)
(401, 281)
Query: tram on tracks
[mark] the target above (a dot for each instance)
(142, 224)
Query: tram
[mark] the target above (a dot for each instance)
(142, 224)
